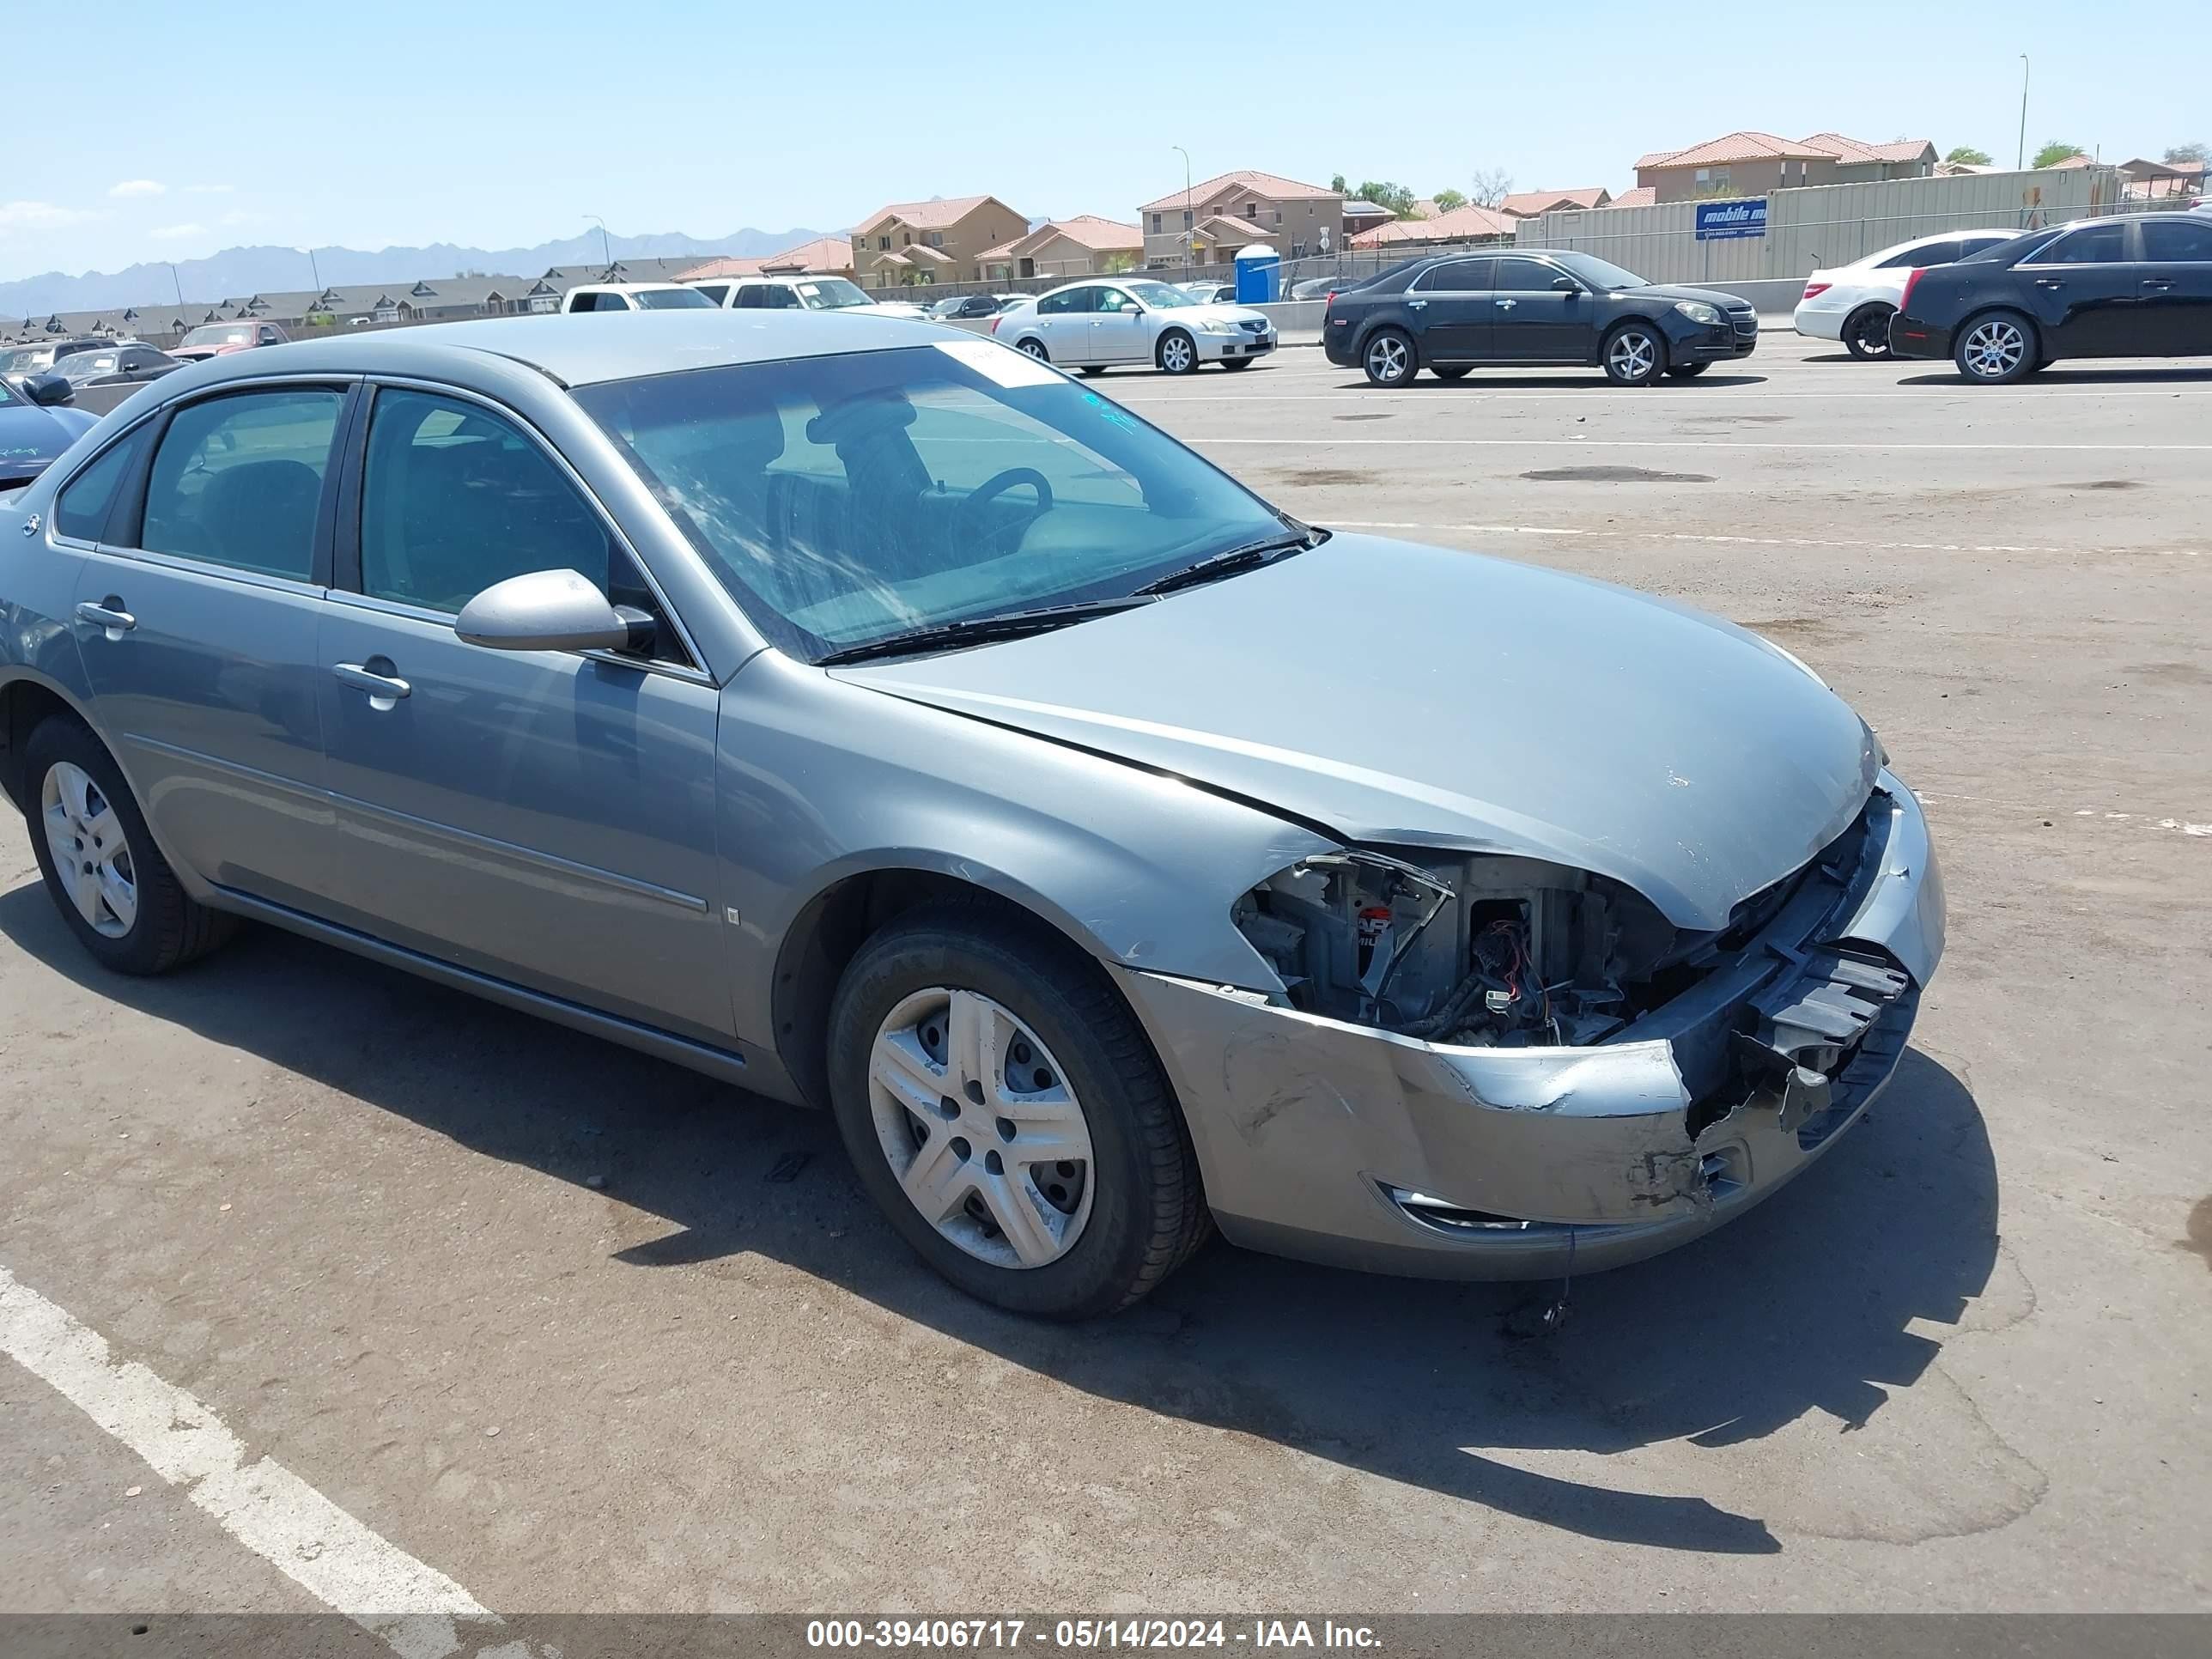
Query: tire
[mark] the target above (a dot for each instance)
(1035, 347)
(1996, 348)
(1451, 371)
(1390, 357)
(1686, 371)
(1176, 353)
(82, 812)
(1635, 354)
(1098, 1231)
(1866, 331)
(1234, 364)
(1090, 370)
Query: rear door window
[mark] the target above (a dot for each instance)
(2102, 244)
(2178, 241)
(238, 481)
(1456, 277)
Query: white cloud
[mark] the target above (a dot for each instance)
(41, 216)
(176, 233)
(139, 187)
(208, 190)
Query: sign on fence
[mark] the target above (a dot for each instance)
(1724, 221)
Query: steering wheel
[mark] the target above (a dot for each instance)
(969, 520)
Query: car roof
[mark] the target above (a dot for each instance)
(621, 288)
(584, 347)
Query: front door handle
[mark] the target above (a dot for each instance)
(384, 690)
(1507, 305)
(109, 615)
(2156, 285)
(2048, 282)
(1416, 305)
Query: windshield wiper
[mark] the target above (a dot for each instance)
(978, 630)
(1249, 556)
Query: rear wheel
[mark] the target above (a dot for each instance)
(1035, 347)
(1996, 349)
(1391, 358)
(103, 870)
(1005, 1112)
(1176, 353)
(1866, 330)
(1092, 369)
(1451, 371)
(1635, 355)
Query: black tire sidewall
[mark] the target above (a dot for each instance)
(1452, 371)
(1851, 328)
(149, 946)
(1025, 973)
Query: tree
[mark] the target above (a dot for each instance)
(1336, 183)
(1399, 198)
(1117, 263)
(1489, 186)
(1446, 200)
(2195, 151)
(2055, 152)
(1967, 155)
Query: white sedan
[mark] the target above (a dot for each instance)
(1853, 303)
(1094, 324)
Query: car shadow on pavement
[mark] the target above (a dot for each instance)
(1816, 1302)
(1593, 382)
(2068, 374)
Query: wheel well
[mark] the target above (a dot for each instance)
(24, 705)
(826, 935)
(1864, 306)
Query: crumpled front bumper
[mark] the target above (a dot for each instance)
(1344, 1144)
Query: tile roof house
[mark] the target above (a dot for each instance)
(825, 256)
(2149, 180)
(1528, 204)
(909, 244)
(1642, 195)
(1367, 216)
(1085, 245)
(1469, 223)
(1207, 224)
(1750, 163)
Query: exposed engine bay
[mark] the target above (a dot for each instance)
(1475, 949)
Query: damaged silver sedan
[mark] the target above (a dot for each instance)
(874, 718)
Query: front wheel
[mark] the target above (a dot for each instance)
(1007, 1115)
(1391, 358)
(1635, 355)
(1997, 349)
(1686, 371)
(103, 870)
(1234, 363)
(1177, 353)
(1866, 331)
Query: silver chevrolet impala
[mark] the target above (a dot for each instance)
(872, 716)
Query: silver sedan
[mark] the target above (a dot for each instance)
(863, 714)
(1098, 323)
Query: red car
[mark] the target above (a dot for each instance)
(221, 339)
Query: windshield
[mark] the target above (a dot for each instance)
(221, 334)
(1601, 273)
(83, 365)
(829, 293)
(24, 359)
(674, 299)
(845, 499)
(1160, 296)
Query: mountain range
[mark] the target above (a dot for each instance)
(241, 270)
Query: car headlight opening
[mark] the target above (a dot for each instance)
(1698, 311)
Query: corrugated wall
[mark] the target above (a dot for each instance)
(1824, 226)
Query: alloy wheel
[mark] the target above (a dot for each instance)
(1994, 348)
(1177, 354)
(1385, 358)
(1034, 348)
(1872, 334)
(92, 856)
(981, 1128)
(1633, 354)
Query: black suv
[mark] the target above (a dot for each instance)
(1450, 313)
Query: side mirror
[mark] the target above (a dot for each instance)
(552, 610)
(50, 391)
(1566, 285)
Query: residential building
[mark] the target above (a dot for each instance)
(1208, 222)
(1528, 204)
(825, 256)
(1752, 163)
(915, 244)
(1642, 195)
(1469, 223)
(1086, 245)
(1360, 217)
(2150, 181)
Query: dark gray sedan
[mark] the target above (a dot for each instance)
(870, 715)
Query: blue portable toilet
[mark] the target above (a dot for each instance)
(1259, 275)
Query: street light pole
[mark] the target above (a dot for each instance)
(607, 256)
(2019, 158)
(315, 270)
(1189, 226)
(175, 281)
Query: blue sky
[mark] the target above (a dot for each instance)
(504, 126)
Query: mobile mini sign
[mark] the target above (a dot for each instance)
(1724, 222)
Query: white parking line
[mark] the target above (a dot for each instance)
(1617, 534)
(1668, 443)
(264, 1505)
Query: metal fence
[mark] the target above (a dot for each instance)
(1829, 224)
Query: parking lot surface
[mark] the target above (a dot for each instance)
(570, 1329)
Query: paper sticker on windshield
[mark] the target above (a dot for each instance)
(999, 364)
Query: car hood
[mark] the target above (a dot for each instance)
(32, 436)
(1711, 297)
(1217, 310)
(1412, 695)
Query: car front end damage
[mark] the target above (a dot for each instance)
(1497, 1067)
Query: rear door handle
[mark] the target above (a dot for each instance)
(1507, 305)
(108, 614)
(384, 690)
(2156, 285)
(2048, 282)
(1416, 305)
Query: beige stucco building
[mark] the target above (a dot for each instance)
(1208, 222)
(915, 244)
(1086, 245)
